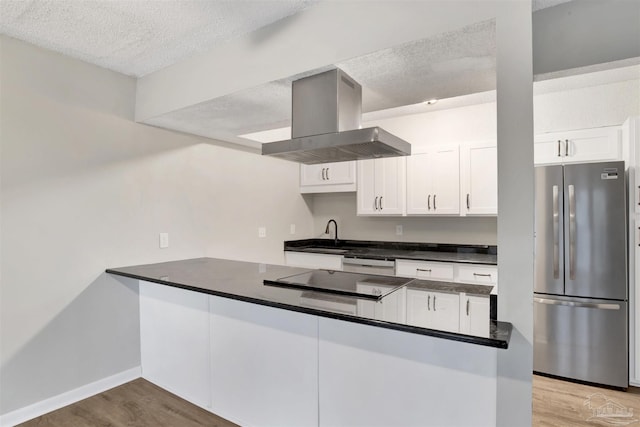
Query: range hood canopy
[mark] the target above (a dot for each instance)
(325, 124)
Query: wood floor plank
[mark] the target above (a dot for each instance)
(558, 403)
(138, 403)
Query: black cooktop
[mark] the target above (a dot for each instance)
(369, 286)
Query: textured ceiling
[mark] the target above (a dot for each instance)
(136, 37)
(449, 65)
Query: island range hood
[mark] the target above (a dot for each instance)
(325, 124)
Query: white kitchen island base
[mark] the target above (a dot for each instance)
(264, 366)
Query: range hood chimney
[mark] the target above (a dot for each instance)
(325, 124)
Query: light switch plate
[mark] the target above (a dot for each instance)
(398, 230)
(164, 240)
(262, 231)
(292, 229)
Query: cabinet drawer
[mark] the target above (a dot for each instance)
(477, 274)
(424, 270)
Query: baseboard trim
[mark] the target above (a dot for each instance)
(27, 413)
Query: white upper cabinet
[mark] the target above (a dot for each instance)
(579, 146)
(328, 177)
(433, 182)
(479, 178)
(381, 186)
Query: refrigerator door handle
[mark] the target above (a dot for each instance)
(572, 232)
(556, 234)
(577, 304)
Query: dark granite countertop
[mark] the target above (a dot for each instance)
(470, 254)
(451, 287)
(244, 281)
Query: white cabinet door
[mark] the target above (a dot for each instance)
(328, 177)
(174, 340)
(434, 310)
(433, 182)
(419, 184)
(479, 179)
(579, 146)
(264, 365)
(381, 186)
(391, 308)
(474, 315)
(367, 196)
(446, 181)
(311, 260)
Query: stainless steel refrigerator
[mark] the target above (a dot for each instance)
(580, 290)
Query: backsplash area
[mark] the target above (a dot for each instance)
(342, 208)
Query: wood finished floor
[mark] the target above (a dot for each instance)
(135, 404)
(565, 404)
(141, 404)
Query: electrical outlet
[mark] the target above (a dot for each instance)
(398, 230)
(292, 229)
(262, 231)
(164, 240)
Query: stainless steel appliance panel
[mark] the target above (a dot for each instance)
(580, 338)
(369, 266)
(549, 226)
(595, 230)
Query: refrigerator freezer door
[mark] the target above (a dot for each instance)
(583, 339)
(549, 226)
(595, 231)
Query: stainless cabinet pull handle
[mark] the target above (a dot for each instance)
(556, 234)
(434, 303)
(429, 302)
(327, 173)
(323, 178)
(572, 232)
(559, 155)
(434, 202)
(638, 195)
(429, 202)
(566, 147)
(375, 203)
(426, 270)
(482, 274)
(467, 306)
(468, 203)
(380, 202)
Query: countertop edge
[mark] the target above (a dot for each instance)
(452, 336)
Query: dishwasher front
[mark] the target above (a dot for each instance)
(382, 267)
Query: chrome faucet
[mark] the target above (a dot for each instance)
(326, 231)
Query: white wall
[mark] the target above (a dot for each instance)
(84, 188)
(572, 108)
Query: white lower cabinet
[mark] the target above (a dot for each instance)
(264, 364)
(474, 315)
(477, 274)
(391, 308)
(174, 341)
(433, 310)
